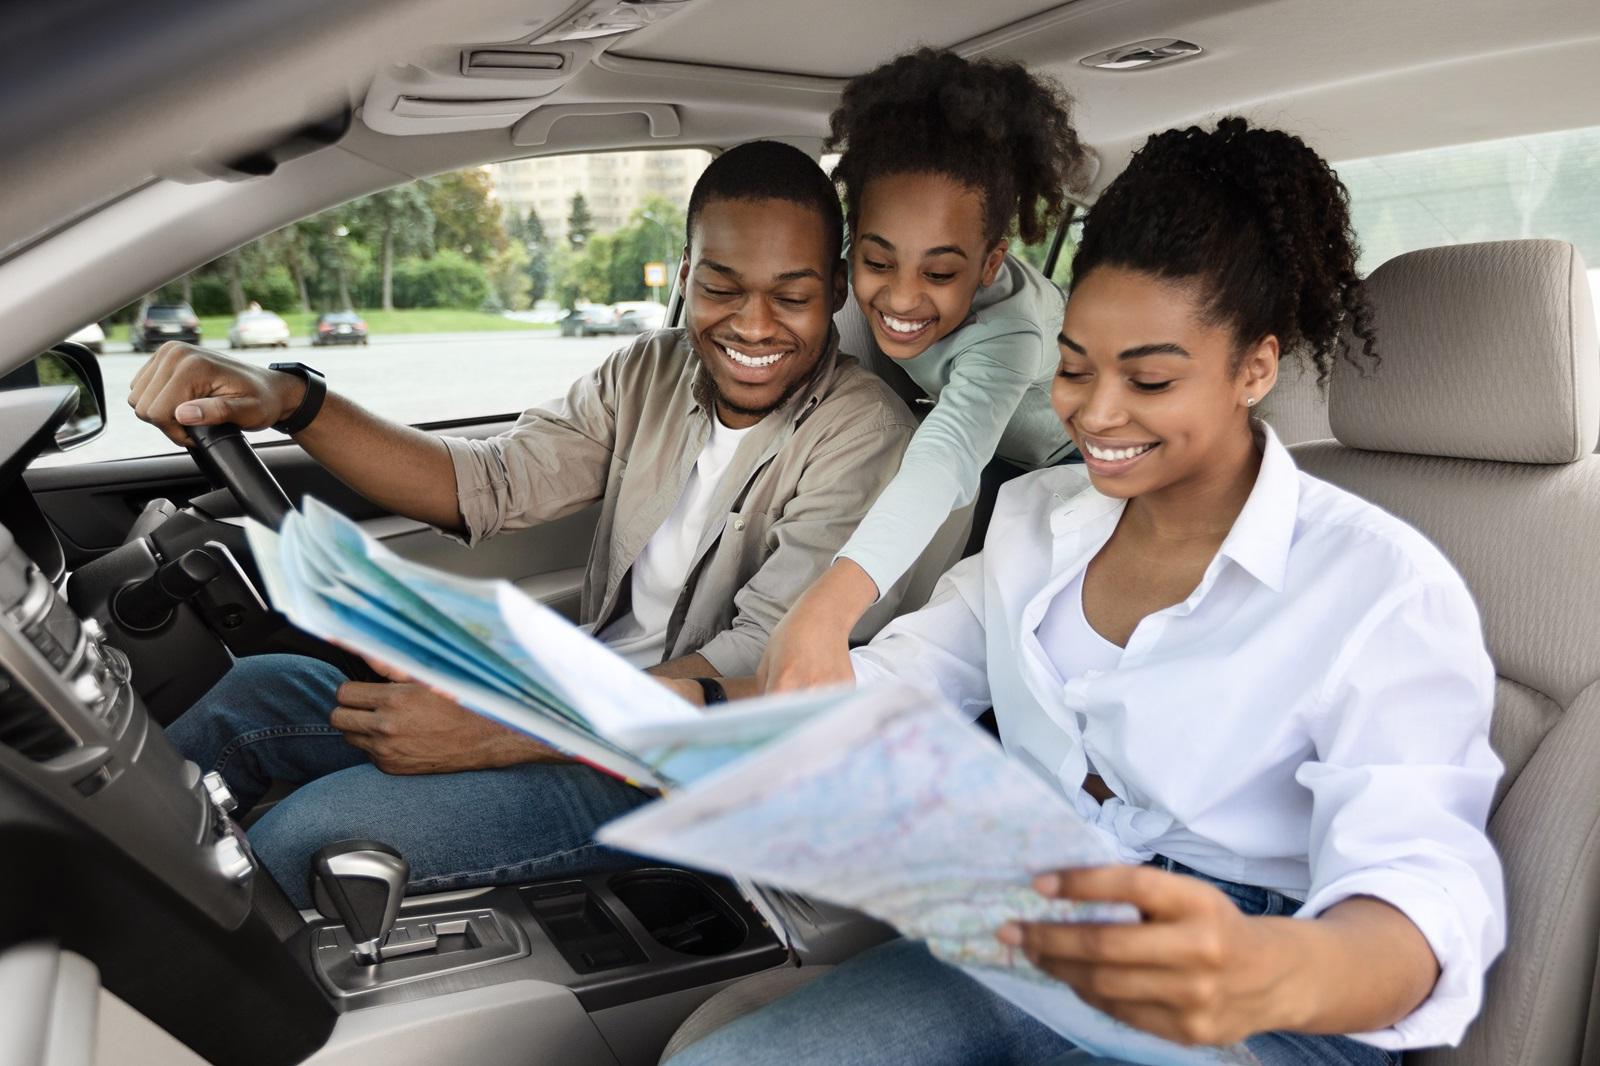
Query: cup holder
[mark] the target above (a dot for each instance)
(680, 911)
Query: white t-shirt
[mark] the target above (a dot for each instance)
(640, 636)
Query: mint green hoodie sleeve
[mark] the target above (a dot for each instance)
(939, 472)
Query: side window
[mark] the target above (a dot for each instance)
(1053, 256)
(1544, 185)
(464, 296)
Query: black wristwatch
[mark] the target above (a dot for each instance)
(310, 403)
(711, 689)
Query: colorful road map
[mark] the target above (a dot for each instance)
(894, 805)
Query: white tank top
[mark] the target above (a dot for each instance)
(1070, 641)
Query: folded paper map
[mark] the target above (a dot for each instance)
(503, 654)
(893, 804)
(883, 800)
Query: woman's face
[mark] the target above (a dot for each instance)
(917, 257)
(1152, 393)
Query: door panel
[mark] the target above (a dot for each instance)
(48, 1006)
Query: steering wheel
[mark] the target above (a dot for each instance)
(228, 462)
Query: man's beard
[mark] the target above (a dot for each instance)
(717, 400)
(709, 396)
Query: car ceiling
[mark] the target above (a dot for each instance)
(101, 98)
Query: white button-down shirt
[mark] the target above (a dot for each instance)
(1313, 718)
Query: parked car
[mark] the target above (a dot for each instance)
(161, 323)
(641, 317)
(258, 329)
(91, 337)
(589, 320)
(339, 327)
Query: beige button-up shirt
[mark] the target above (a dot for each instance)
(628, 436)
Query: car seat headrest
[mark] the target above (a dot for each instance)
(1490, 351)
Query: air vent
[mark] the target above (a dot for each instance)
(26, 727)
(1141, 55)
(502, 63)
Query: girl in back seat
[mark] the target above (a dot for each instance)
(942, 158)
(1271, 695)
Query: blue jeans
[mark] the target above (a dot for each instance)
(267, 720)
(898, 1004)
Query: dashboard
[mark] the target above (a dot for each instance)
(28, 421)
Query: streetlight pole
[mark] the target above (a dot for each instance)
(655, 290)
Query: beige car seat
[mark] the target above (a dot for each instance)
(1297, 407)
(1479, 429)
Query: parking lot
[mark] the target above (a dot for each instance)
(410, 378)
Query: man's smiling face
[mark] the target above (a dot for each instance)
(761, 288)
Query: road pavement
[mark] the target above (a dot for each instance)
(410, 378)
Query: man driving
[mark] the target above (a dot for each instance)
(731, 458)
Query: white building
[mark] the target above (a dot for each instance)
(614, 184)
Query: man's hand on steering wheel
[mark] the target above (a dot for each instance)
(184, 386)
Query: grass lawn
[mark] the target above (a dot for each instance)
(214, 330)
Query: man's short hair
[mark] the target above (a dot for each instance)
(769, 170)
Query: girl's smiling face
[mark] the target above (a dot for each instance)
(918, 255)
(1155, 396)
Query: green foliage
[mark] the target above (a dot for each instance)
(448, 279)
(580, 222)
(528, 230)
(273, 289)
(507, 273)
(466, 217)
(610, 268)
(1035, 254)
(564, 284)
(210, 295)
(437, 243)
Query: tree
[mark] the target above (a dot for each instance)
(507, 273)
(233, 270)
(580, 223)
(466, 217)
(528, 230)
(446, 279)
(564, 284)
(398, 221)
(344, 257)
(293, 248)
(651, 235)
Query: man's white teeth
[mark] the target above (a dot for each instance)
(1111, 455)
(903, 325)
(752, 361)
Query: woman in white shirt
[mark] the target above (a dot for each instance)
(1273, 696)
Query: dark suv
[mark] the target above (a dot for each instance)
(161, 323)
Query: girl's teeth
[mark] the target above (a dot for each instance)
(903, 325)
(1114, 454)
(751, 361)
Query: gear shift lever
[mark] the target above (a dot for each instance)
(361, 883)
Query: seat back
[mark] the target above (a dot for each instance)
(1479, 429)
(1297, 406)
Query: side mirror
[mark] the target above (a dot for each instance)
(73, 365)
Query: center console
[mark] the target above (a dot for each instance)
(123, 852)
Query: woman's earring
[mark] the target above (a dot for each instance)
(1249, 401)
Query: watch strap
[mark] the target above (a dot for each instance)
(712, 691)
(310, 404)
